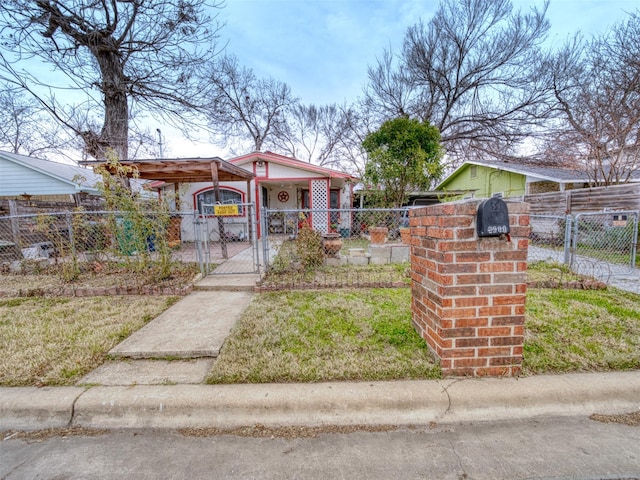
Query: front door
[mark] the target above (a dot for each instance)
(306, 200)
(334, 205)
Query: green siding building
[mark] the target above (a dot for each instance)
(486, 179)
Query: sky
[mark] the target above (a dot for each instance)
(322, 48)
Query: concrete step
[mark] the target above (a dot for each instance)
(241, 282)
(149, 372)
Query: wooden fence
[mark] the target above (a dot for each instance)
(597, 199)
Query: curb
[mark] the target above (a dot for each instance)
(360, 403)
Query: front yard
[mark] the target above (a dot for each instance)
(312, 336)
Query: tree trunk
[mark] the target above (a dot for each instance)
(115, 130)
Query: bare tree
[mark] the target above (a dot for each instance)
(311, 133)
(597, 89)
(115, 58)
(475, 71)
(245, 109)
(26, 129)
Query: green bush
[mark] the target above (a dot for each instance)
(309, 248)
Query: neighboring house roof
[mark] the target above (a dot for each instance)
(20, 174)
(551, 174)
(290, 162)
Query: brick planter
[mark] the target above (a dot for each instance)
(468, 293)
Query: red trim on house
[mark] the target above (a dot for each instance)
(208, 189)
(292, 179)
(293, 162)
(254, 165)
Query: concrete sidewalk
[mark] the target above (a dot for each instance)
(194, 330)
(336, 403)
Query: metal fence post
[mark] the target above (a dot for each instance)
(252, 233)
(72, 243)
(634, 244)
(264, 228)
(568, 223)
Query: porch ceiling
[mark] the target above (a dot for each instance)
(185, 170)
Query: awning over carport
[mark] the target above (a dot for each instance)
(185, 170)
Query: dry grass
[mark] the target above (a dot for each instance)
(93, 274)
(581, 330)
(367, 334)
(55, 341)
(316, 336)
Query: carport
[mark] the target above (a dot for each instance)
(186, 170)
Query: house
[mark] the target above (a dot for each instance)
(278, 183)
(483, 179)
(23, 177)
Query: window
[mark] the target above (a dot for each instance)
(227, 197)
(473, 171)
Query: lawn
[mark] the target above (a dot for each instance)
(318, 336)
(55, 341)
(312, 336)
(581, 330)
(367, 335)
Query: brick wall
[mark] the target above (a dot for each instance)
(468, 293)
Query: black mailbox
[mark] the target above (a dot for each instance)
(493, 218)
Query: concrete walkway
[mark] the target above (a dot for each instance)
(193, 331)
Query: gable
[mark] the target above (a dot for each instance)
(272, 165)
(484, 181)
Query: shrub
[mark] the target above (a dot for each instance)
(309, 248)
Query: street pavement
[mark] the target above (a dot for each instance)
(562, 448)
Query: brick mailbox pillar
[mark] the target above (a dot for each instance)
(468, 293)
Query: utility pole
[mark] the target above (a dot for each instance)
(160, 142)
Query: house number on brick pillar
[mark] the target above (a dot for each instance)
(468, 291)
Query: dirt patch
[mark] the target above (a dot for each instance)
(584, 284)
(261, 431)
(36, 436)
(96, 279)
(631, 419)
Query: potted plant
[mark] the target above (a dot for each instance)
(332, 243)
(378, 235)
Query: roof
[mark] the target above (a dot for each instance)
(185, 170)
(79, 179)
(552, 174)
(290, 162)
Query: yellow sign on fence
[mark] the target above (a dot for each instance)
(225, 210)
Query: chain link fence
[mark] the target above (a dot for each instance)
(69, 238)
(322, 248)
(550, 238)
(599, 244)
(310, 248)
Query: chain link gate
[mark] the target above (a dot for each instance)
(226, 239)
(604, 242)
